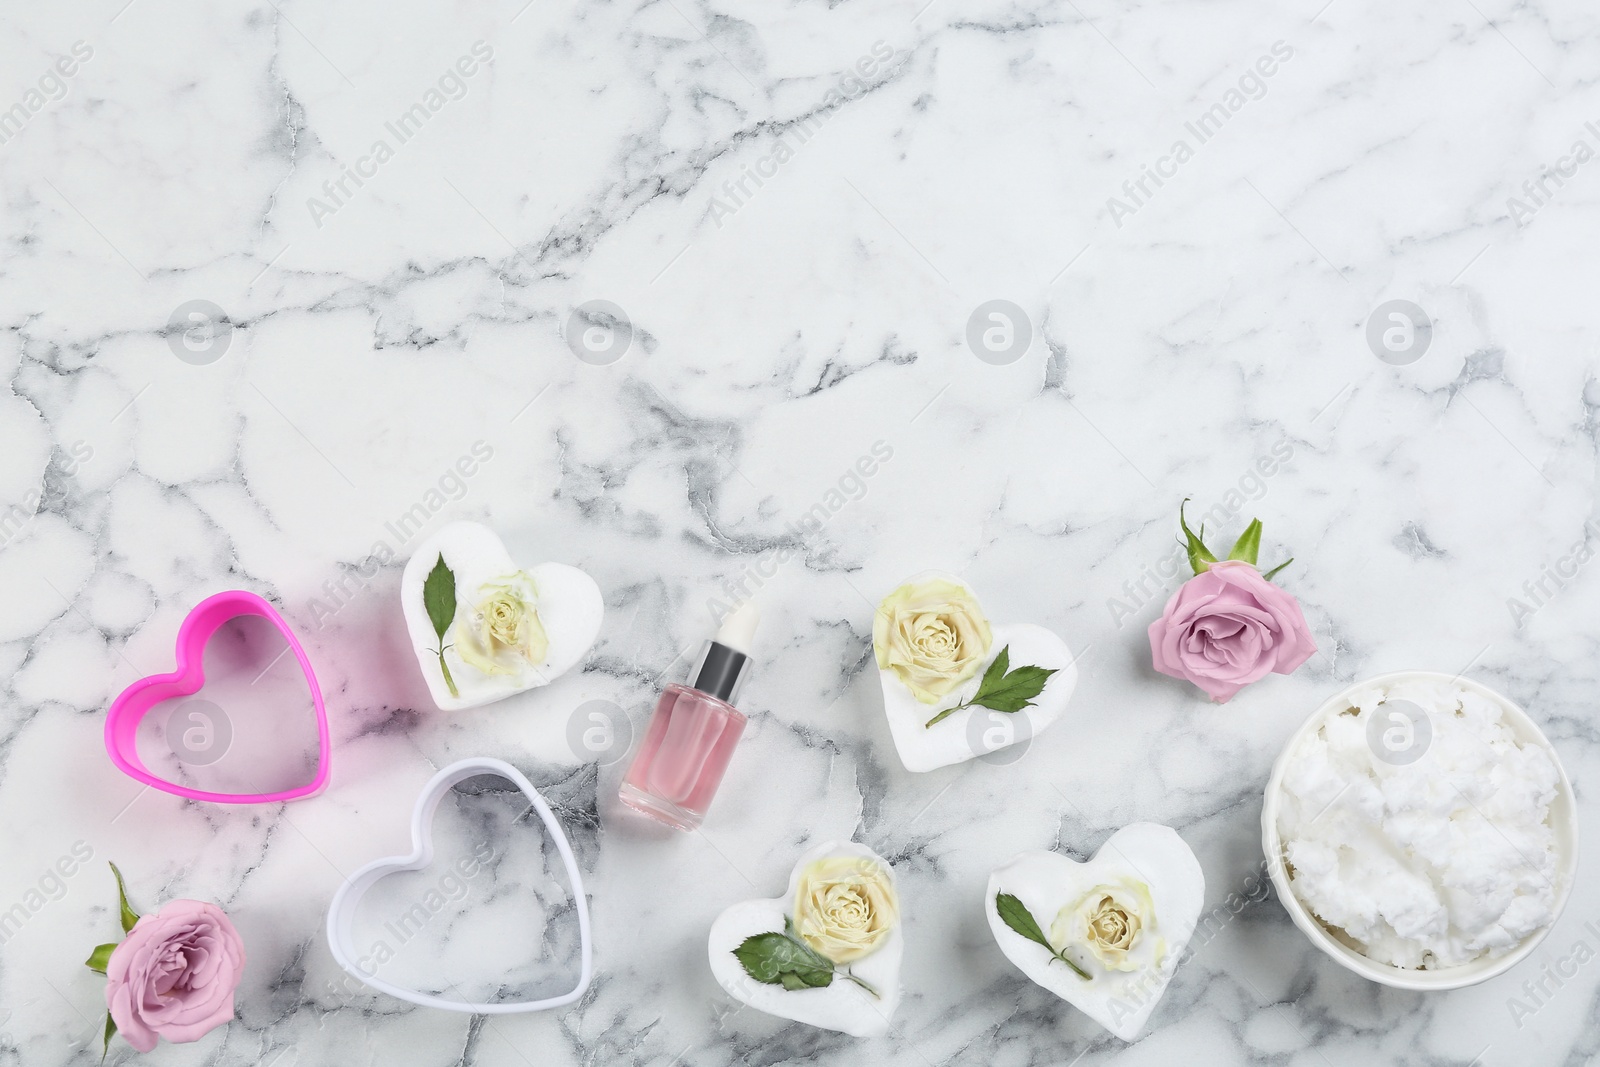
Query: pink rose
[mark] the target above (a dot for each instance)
(175, 974)
(1227, 627)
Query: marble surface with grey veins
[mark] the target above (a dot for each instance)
(285, 287)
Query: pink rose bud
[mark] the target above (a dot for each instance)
(1227, 627)
(174, 975)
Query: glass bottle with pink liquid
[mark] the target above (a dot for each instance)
(692, 735)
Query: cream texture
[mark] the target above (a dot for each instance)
(1431, 863)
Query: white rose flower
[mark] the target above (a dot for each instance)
(933, 635)
(1109, 921)
(845, 907)
(502, 632)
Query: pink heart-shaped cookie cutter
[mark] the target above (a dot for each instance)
(130, 708)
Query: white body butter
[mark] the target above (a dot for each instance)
(1428, 863)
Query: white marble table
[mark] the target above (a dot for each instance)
(795, 213)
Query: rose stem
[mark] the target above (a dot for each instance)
(943, 714)
(863, 985)
(1074, 966)
(449, 681)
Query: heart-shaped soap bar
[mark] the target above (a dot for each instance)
(565, 601)
(975, 730)
(135, 702)
(843, 1004)
(1144, 870)
(342, 912)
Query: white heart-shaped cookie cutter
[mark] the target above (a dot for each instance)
(341, 914)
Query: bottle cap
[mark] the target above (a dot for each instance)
(738, 630)
(725, 660)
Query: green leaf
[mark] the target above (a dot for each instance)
(105, 1044)
(100, 957)
(1279, 567)
(1015, 914)
(991, 677)
(1002, 689)
(1249, 544)
(439, 597)
(997, 670)
(778, 959)
(1199, 554)
(129, 916)
(1016, 690)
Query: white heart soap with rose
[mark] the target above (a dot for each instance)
(505, 629)
(827, 953)
(1104, 935)
(956, 686)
